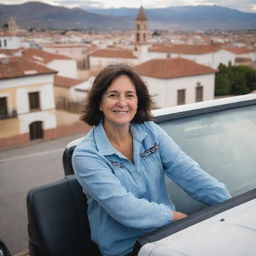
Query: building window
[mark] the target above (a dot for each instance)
(5, 43)
(0, 43)
(199, 93)
(181, 97)
(3, 107)
(137, 37)
(34, 101)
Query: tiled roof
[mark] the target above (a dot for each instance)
(18, 67)
(114, 53)
(141, 15)
(238, 50)
(7, 34)
(65, 46)
(66, 82)
(172, 68)
(184, 49)
(41, 56)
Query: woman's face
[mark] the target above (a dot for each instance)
(119, 102)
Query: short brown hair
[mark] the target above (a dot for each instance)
(92, 115)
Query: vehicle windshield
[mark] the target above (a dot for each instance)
(222, 143)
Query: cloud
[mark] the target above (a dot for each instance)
(242, 5)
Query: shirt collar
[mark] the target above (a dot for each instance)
(103, 144)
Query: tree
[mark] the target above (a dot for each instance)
(222, 84)
(234, 80)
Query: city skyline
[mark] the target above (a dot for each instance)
(245, 5)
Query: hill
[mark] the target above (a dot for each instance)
(39, 15)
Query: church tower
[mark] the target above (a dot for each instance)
(12, 26)
(141, 35)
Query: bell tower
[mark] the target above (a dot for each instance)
(12, 26)
(141, 34)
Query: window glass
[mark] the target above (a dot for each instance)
(3, 107)
(223, 143)
(34, 101)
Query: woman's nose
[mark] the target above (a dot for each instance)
(121, 101)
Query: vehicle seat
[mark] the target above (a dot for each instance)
(57, 220)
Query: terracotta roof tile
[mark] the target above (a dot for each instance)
(114, 53)
(172, 68)
(18, 67)
(238, 50)
(41, 56)
(184, 49)
(66, 82)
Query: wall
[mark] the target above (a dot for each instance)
(67, 68)
(165, 90)
(9, 42)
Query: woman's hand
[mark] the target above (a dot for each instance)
(178, 215)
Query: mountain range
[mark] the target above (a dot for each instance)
(43, 16)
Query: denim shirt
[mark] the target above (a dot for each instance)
(127, 200)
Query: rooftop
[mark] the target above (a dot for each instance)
(66, 82)
(42, 56)
(184, 49)
(172, 68)
(15, 67)
(114, 53)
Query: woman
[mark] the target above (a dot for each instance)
(122, 161)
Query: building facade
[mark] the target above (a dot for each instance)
(27, 101)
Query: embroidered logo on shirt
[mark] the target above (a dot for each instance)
(117, 164)
(150, 151)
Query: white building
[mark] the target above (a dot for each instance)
(70, 90)
(208, 55)
(103, 57)
(27, 100)
(176, 81)
(242, 53)
(9, 41)
(65, 66)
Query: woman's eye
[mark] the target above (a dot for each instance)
(130, 96)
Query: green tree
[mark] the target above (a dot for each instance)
(222, 84)
(238, 82)
(234, 80)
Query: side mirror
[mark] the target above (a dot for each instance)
(3, 249)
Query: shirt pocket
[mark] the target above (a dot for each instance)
(151, 163)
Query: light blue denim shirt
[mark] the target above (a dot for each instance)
(127, 200)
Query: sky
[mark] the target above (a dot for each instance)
(241, 5)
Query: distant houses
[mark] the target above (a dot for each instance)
(42, 89)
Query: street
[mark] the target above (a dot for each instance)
(22, 168)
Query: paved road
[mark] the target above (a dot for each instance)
(22, 168)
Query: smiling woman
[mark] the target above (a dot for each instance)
(121, 164)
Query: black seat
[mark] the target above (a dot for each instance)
(66, 160)
(57, 220)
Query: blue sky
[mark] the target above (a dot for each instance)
(242, 5)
